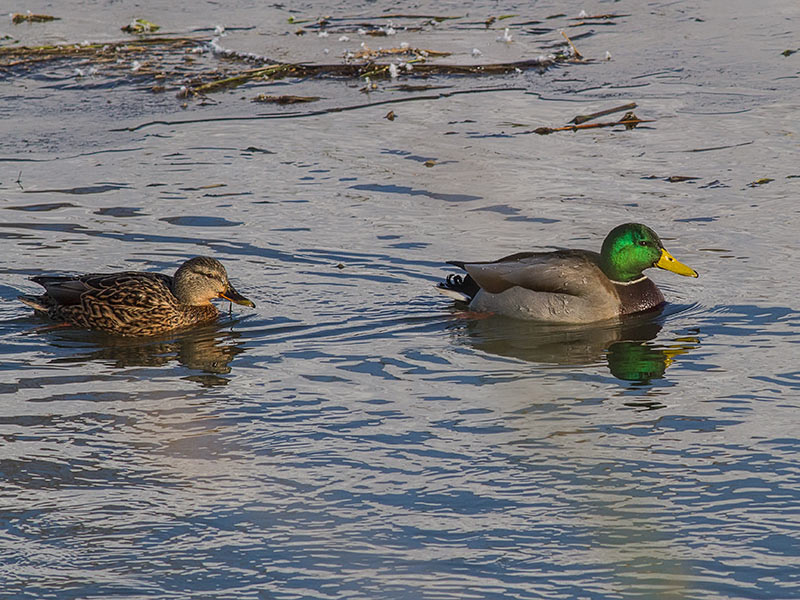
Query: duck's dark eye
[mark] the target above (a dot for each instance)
(643, 242)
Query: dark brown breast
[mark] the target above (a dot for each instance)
(639, 297)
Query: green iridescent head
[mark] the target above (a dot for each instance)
(631, 248)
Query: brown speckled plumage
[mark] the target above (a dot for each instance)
(133, 303)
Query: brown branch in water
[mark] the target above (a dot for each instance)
(578, 55)
(609, 111)
(367, 53)
(368, 69)
(629, 120)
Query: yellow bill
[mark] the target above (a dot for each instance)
(668, 262)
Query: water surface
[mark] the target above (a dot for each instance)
(356, 436)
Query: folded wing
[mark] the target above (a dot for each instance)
(572, 272)
(133, 287)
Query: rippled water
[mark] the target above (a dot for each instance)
(355, 436)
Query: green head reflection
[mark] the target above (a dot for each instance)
(643, 361)
(629, 347)
(635, 361)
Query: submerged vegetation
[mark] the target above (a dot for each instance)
(168, 60)
(196, 66)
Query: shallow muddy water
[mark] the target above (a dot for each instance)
(356, 436)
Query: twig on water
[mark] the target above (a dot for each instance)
(629, 120)
(578, 55)
(609, 111)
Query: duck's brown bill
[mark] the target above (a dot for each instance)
(668, 262)
(234, 296)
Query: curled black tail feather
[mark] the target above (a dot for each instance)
(462, 286)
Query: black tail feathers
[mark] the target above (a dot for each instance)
(460, 288)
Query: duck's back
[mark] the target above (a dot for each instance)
(121, 289)
(127, 303)
(562, 286)
(572, 272)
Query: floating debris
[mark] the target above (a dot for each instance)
(390, 115)
(407, 87)
(629, 120)
(169, 62)
(575, 52)
(140, 27)
(506, 37)
(106, 53)
(715, 148)
(596, 19)
(713, 185)
(254, 149)
(29, 17)
(610, 111)
(435, 18)
(366, 52)
(369, 85)
(762, 181)
(285, 99)
(680, 178)
(233, 81)
(91, 72)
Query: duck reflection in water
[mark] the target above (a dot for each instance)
(208, 350)
(625, 344)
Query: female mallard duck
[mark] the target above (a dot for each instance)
(570, 286)
(135, 303)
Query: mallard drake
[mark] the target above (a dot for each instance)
(134, 303)
(570, 286)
